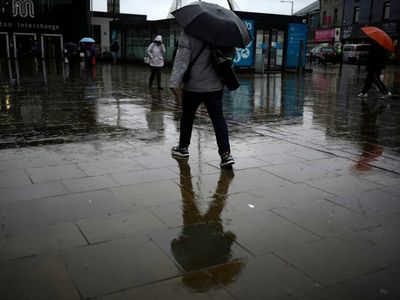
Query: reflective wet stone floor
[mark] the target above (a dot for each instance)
(93, 206)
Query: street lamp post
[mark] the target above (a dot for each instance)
(291, 12)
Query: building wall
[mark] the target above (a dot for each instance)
(104, 23)
(371, 13)
(38, 28)
(328, 7)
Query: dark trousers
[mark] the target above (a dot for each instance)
(213, 103)
(155, 71)
(373, 76)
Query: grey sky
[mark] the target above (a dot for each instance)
(158, 9)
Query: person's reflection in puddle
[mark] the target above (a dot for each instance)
(369, 132)
(202, 242)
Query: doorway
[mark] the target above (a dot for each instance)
(273, 55)
(26, 46)
(5, 64)
(52, 44)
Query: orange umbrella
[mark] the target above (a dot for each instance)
(379, 36)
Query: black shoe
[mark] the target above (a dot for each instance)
(180, 152)
(226, 160)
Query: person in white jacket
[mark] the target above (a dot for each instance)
(156, 52)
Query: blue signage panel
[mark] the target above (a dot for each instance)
(297, 35)
(244, 57)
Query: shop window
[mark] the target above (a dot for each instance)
(96, 33)
(312, 20)
(386, 10)
(335, 16)
(356, 14)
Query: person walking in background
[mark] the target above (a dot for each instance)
(156, 52)
(114, 50)
(203, 86)
(375, 63)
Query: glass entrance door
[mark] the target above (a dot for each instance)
(4, 47)
(276, 49)
(273, 54)
(5, 65)
(53, 46)
(26, 47)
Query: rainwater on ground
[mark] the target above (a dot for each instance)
(46, 102)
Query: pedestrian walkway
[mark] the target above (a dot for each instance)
(309, 211)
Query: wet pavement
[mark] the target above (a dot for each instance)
(93, 206)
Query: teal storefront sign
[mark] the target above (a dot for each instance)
(297, 44)
(244, 57)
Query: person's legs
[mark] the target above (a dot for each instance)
(213, 103)
(368, 82)
(190, 103)
(152, 75)
(378, 82)
(158, 73)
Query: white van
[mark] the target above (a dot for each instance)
(353, 53)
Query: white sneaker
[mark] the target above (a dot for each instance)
(362, 95)
(388, 94)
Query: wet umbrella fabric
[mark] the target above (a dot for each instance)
(213, 23)
(87, 40)
(378, 35)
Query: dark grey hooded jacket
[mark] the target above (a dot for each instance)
(203, 77)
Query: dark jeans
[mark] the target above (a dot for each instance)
(213, 103)
(373, 76)
(155, 71)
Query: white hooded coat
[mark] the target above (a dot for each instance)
(156, 53)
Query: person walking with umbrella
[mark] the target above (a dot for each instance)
(156, 52)
(376, 60)
(204, 25)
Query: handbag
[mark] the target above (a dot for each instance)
(146, 58)
(223, 66)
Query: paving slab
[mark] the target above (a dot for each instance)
(39, 240)
(265, 277)
(42, 277)
(325, 218)
(32, 191)
(264, 232)
(378, 285)
(116, 265)
(69, 207)
(331, 261)
(195, 285)
(13, 178)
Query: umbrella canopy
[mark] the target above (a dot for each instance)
(213, 23)
(379, 36)
(87, 40)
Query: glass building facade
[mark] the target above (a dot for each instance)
(39, 28)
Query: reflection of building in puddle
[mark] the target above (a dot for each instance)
(268, 98)
(369, 132)
(203, 243)
(155, 117)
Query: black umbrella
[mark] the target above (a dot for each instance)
(213, 23)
